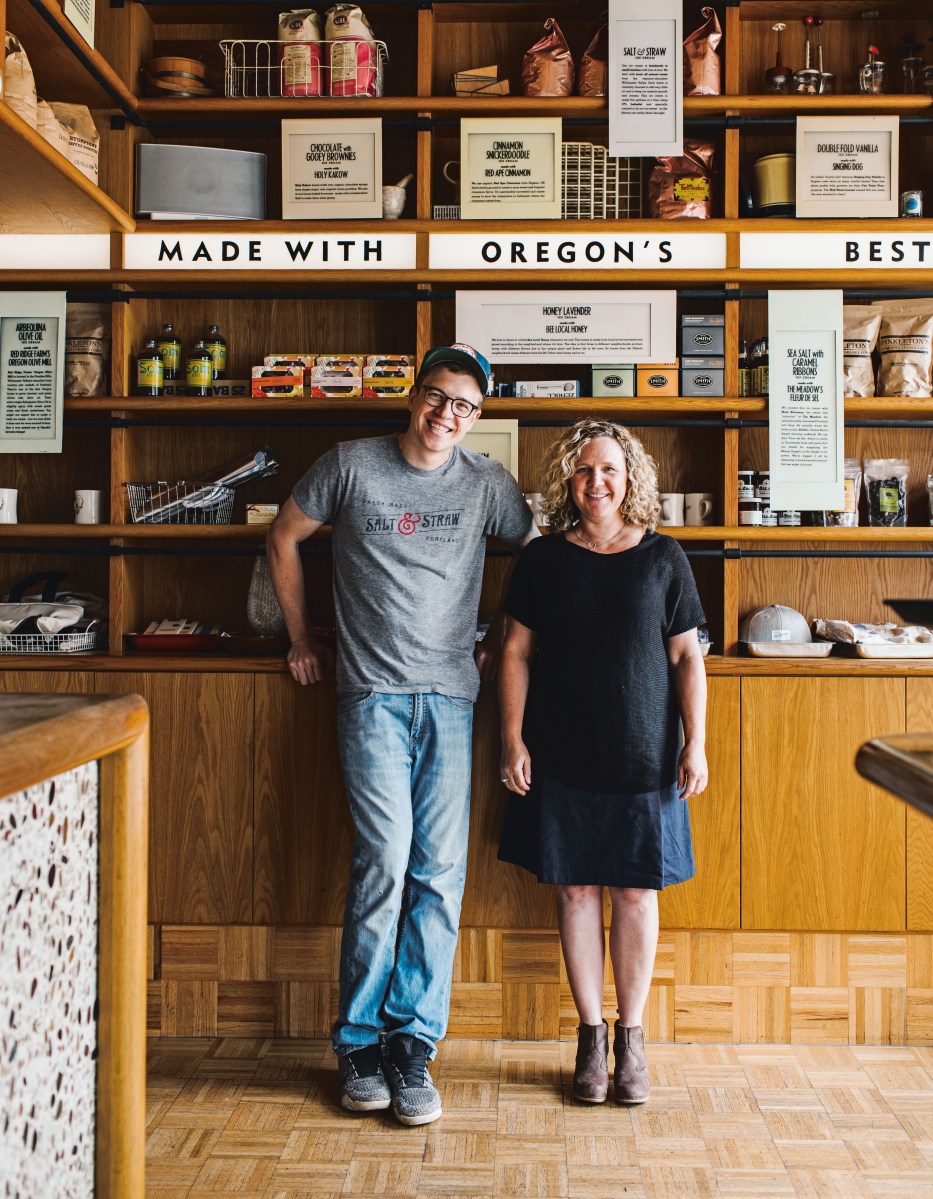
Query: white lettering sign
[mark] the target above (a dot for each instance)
(269, 252)
(81, 14)
(805, 408)
(524, 327)
(53, 251)
(645, 78)
(586, 251)
(836, 251)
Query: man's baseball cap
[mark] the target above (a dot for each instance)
(458, 354)
(774, 623)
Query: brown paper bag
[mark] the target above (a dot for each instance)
(701, 62)
(547, 68)
(592, 72)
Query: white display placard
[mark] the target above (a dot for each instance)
(332, 168)
(582, 251)
(836, 251)
(269, 252)
(53, 251)
(645, 78)
(847, 166)
(497, 439)
(510, 168)
(525, 327)
(805, 406)
(81, 14)
(32, 351)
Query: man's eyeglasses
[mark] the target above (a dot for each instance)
(437, 399)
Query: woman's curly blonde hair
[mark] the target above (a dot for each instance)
(640, 506)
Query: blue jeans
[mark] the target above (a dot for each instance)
(406, 766)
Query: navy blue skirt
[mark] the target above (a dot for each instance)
(598, 838)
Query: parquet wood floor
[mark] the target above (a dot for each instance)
(259, 1119)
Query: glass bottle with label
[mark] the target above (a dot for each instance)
(217, 348)
(765, 383)
(743, 368)
(170, 349)
(150, 370)
(200, 371)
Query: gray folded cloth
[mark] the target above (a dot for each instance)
(49, 618)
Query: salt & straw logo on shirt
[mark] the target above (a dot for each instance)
(413, 522)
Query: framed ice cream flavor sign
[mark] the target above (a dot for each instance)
(510, 168)
(847, 166)
(332, 168)
(497, 439)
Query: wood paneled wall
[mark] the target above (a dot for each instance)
(810, 918)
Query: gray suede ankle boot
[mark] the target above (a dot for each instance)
(630, 1077)
(591, 1073)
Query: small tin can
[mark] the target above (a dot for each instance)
(768, 516)
(790, 517)
(749, 512)
(746, 484)
(912, 203)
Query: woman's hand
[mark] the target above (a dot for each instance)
(692, 770)
(515, 767)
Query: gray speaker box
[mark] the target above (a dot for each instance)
(191, 182)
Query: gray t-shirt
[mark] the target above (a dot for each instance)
(408, 550)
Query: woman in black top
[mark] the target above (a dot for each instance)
(600, 665)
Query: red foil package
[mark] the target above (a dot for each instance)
(701, 62)
(682, 186)
(593, 71)
(301, 59)
(547, 68)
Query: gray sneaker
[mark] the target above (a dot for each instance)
(414, 1096)
(363, 1086)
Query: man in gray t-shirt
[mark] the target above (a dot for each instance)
(410, 514)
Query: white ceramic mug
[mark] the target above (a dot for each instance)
(698, 508)
(87, 507)
(8, 505)
(533, 500)
(672, 508)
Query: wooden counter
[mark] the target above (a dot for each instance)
(93, 834)
(810, 918)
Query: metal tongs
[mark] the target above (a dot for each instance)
(166, 503)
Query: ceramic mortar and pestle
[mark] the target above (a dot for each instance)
(393, 198)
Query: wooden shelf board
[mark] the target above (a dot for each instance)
(44, 193)
(716, 665)
(129, 532)
(503, 406)
(831, 10)
(60, 75)
(696, 107)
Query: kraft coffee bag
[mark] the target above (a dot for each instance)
(681, 186)
(547, 68)
(905, 343)
(87, 349)
(860, 325)
(593, 70)
(83, 138)
(19, 87)
(701, 62)
(50, 127)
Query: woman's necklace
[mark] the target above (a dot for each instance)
(597, 545)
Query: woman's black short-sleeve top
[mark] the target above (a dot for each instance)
(602, 712)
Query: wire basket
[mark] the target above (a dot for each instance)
(346, 68)
(180, 503)
(596, 186)
(49, 643)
